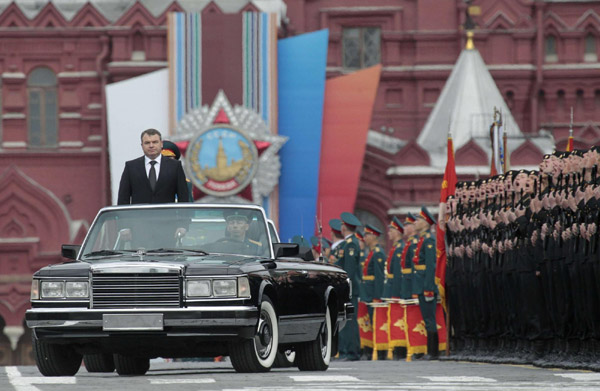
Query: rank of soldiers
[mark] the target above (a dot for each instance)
(523, 271)
(398, 313)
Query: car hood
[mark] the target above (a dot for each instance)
(213, 264)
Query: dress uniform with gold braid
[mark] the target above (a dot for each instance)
(392, 263)
(423, 284)
(349, 339)
(406, 261)
(337, 247)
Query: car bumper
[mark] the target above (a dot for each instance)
(201, 321)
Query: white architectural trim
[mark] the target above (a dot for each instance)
(65, 75)
(157, 64)
(13, 116)
(70, 144)
(460, 170)
(13, 75)
(14, 144)
(69, 115)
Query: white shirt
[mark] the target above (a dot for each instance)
(335, 244)
(147, 161)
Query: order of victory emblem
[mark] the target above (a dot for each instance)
(223, 160)
(230, 153)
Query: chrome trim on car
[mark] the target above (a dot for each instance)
(75, 310)
(97, 323)
(348, 311)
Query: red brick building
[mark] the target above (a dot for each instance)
(57, 57)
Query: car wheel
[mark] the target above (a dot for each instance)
(258, 354)
(285, 359)
(315, 355)
(99, 362)
(131, 366)
(54, 359)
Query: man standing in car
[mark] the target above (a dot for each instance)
(150, 179)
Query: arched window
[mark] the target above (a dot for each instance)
(43, 108)
(510, 99)
(138, 51)
(579, 97)
(551, 54)
(590, 53)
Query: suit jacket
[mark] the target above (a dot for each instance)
(135, 186)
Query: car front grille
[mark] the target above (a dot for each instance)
(118, 290)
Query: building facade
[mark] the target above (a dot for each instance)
(57, 57)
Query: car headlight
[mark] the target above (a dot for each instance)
(35, 290)
(243, 287)
(77, 289)
(224, 288)
(198, 288)
(53, 289)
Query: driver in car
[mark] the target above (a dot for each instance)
(237, 229)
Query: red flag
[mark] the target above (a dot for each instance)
(448, 188)
(570, 143)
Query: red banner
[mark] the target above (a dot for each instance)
(396, 326)
(416, 334)
(381, 325)
(364, 325)
(448, 188)
(441, 326)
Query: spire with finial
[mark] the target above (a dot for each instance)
(469, 26)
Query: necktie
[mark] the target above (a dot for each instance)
(152, 175)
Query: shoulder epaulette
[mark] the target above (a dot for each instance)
(349, 240)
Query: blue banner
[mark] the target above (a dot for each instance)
(301, 62)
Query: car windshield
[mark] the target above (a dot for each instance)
(227, 230)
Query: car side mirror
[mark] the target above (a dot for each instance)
(285, 249)
(70, 251)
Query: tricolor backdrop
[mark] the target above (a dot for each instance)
(326, 122)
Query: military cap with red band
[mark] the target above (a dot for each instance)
(360, 234)
(349, 219)
(427, 216)
(369, 229)
(336, 226)
(170, 149)
(410, 218)
(396, 224)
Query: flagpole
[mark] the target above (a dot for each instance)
(570, 139)
(505, 142)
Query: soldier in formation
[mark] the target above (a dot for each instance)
(523, 272)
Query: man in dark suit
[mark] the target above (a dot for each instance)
(150, 179)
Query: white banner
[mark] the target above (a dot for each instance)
(132, 106)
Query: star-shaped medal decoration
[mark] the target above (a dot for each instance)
(230, 154)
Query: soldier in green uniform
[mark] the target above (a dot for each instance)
(393, 272)
(373, 275)
(403, 290)
(337, 247)
(424, 286)
(392, 263)
(349, 260)
(366, 351)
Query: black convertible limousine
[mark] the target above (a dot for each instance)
(185, 280)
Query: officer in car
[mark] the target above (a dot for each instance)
(236, 233)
